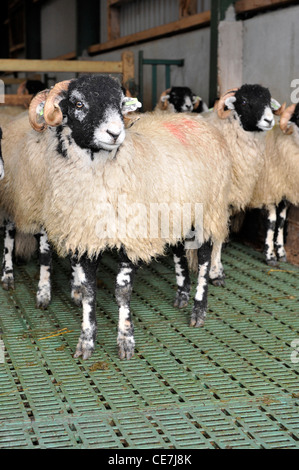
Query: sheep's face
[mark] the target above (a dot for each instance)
(93, 109)
(252, 107)
(182, 99)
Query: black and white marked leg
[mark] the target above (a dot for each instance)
(200, 306)
(269, 248)
(43, 296)
(7, 264)
(86, 343)
(217, 276)
(182, 276)
(76, 281)
(123, 292)
(281, 212)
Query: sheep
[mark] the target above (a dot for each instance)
(243, 116)
(180, 99)
(277, 185)
(69, 175)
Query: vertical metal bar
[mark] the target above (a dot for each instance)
(154, 85)
(88, 25)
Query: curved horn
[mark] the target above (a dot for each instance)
(221, 103)
(280, 111)
(285, 118)
(52, 112)
(22, 90)
(163, 104)
(39, 98)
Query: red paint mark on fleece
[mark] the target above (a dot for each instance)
(181, 129)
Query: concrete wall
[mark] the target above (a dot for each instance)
(193, 47)
(58, 26)
(271, 42)
(270, 54)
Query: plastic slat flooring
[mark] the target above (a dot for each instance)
(231, 384)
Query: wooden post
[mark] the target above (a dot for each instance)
(113, 21)
(218, 10)
(128, 69)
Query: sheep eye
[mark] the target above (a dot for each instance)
(79, 104)
(244, 102)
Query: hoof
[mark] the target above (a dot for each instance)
(181, 300)
(84, 349)
(272, 262)
(198, 317)
(282, 259)
(126, 349)
(8, 283)
(218, 282)
(42, 300)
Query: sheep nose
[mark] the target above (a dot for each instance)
(114, 134)
(269, 121)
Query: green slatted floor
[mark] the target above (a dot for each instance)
(231, 384)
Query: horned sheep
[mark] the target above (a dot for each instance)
(243, 115)
(68, 174)
(180, 99)
(277, 185)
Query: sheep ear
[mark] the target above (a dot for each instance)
(39, 110)
(130, 104)
(229, 102)
(275, 105)
(165, 98)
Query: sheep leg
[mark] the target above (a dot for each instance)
(269, 249)
(199, 311)
(216, 274)
(279, 235)
(86, 343)
(76, 282)
(182, 276)
(7, 265)
(123, 292)
(43, 296)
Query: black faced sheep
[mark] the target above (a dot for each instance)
(242, 115)
(180, 99)
(92, 185)
(277, 185)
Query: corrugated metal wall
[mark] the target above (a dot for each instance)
(140, 15)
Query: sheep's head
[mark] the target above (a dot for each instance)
(251, 105)
(290, 115)
(179, 99)
(92, 107)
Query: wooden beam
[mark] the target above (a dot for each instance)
(16, 100)
(190, 22)
(76, 66)
(244, 6)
